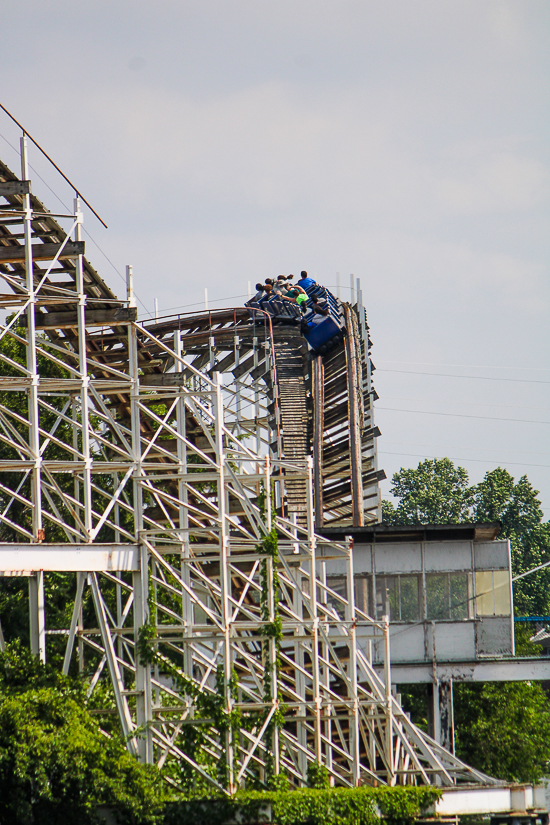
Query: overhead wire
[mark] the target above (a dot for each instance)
(457, 447)
(479, 460)
(54, 164)
(463, 366)
(464, 415)
(462, 403)
(475, 377)
(200, 303)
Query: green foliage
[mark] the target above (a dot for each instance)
(335, 806)
(21, 671)
(55, 763)
(59, 587)
(503, 728)
(522, 640)
(530, 548)
(498, 498)
(415, 700)
(436, 492)
(516, 506)
(317, 776)
(146, 648)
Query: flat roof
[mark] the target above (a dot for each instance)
(378, 533)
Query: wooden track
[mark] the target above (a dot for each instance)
(346, 474)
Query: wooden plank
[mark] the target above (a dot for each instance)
(15, 187)
(163, 379)
(41, 252)
(354, 422)
(94, 318)
(318, 382)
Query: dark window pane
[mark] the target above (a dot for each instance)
(437, 595)
(409, 599)
(387, 597)
(459, 595)
(338, 585)
(363, 591)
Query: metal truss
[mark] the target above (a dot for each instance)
(205, 616)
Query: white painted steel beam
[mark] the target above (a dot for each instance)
(485, 670)
(486, 800)
(20, 559)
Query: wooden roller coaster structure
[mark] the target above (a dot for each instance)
(182, 470)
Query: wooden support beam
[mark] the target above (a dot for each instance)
(41, 252)
(163, 379)
(15, 187)
(354, 413)
(318, 386)
(94, 318)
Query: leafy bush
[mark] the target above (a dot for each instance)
(56, 765)
(335, 806)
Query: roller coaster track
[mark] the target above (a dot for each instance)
(168, 466)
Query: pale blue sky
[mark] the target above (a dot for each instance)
(406, 142)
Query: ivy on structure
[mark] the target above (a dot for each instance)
(210, 707)
(318, 776)
(226, 722)
(272, 629)
(147, 633)
(334, 806)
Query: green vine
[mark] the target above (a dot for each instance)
(147, 633)
(210, 707)
(272, 629)
(226, 722)
(335, 806)
(318, 776)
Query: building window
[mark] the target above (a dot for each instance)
(447, 596)
(338, 598)
(398, 597)
(363, 594)
(493, 593)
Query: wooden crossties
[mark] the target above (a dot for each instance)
(93, 318)
(291, 369)
(346, 476)
(42, 252)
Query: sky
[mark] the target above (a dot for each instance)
(406, 143)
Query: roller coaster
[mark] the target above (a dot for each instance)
(182, 470)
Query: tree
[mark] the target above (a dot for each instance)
(516, 506)
(503, 728)
(499, 498)
(436, 492)
(55, 762)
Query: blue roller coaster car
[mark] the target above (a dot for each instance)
(321, 336)
(327, 334)
(324, 336)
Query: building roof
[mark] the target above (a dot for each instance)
(378, 533)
